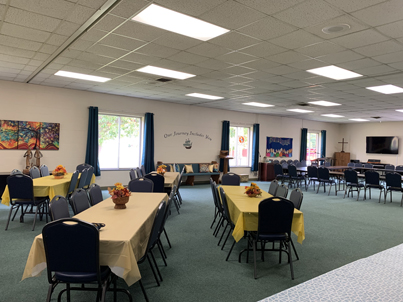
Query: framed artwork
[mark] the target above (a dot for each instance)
(8, 134)
(279, 147)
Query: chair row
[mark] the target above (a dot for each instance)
(137, 172)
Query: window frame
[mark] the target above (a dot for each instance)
(250, 134)
(140, 134)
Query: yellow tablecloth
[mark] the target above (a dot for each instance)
(46, 186)
(244, 213)
(123, 240)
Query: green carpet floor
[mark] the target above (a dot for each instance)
(338, 231)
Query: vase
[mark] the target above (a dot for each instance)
(58, 176)
(120, 202)
(253, 195)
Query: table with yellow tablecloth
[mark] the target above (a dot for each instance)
(46, 186)
(123, 240)
(244, 212)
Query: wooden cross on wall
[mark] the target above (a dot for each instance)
(342, 144)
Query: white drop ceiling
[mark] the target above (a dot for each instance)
(262, 59)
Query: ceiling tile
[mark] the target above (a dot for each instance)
(234, 41)
(92, 3)
(126, 65)
(81, 45)
(24, 32)
(190, 7)
(80, 14)
(176, 41)
(140, 58)
(160, 51)
(59, 9)
(383, 13)
(296, 39)
(129, 8)
(393, 30)
(261, 64)
(187, 57)
(236, 58)
(267, 28)
(359, 64)
(208, 50)
(239, 70)
(362, 38)
(376, 70)
(107, 51)
(109, 23)
(263, 49)
(390, 58)
(270, 6)
(56, 39)
(340, 57)
(353, 5)
(16, 52)
(31, 20)
(288, 57)
(139, 31)
(121, 42)
(67, 28)
(320, 49)
(379, 48)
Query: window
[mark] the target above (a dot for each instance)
(312, 146)
(239, 146)
(119, 141)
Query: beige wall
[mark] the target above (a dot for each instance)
(70, 108)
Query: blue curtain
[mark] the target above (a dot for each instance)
(304, 137)
(224, 142)
(255, 148)
(91, 155)
(148, 143)
(323, 143)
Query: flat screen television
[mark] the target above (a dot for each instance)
(383, 144)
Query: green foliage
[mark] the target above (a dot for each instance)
(108, 127)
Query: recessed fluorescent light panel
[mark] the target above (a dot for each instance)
(205, 96)
(334, 72)
(257, 104)
(358, 120)
(166, 72)
(81, 76)
(299, 110)
(324, 103)
(400, 110)
(386, 89)
(332, 115)
(167, 19)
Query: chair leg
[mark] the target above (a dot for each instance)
(217, 228)
(152, 269)
(223, 233)
(230, 231)
(290, 260)
(162, 253)
(36, 213)
(9, 215)
(166, 236)
(143, 290)
(293, 247)
(229, 253)
(254, 259)
(156, 266)
(215, 217)
(358, 193)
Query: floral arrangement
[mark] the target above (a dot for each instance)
(59, 171)
(161, 169)
(253, 190)
(119, 191)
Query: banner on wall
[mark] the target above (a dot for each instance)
(279, 147)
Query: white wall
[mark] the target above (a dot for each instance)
(355, 135)
(70, 108)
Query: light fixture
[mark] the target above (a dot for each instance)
(205, 96)
(335, 28)
(256, 104)
(334, 72)
(358, 120)
(167, 19)
(299, 110)
(166, 72)
(332, 115)
(400, 110)
(81, 76)
(324, 103)
(386, 89)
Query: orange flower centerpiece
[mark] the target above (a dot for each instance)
(161, 169)
(59, 172)
(120, 195)
(253, 190)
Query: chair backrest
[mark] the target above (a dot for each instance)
(278, 169)
(44, 170)
(390, 167)
(73, 183)
(276, 161)
(20, 186)
(95, 193)
(303, 163)
(351, 176)
(71, 247)
(327, 164)
(290, 161)
(158, 181)
(273, 187)
(141, 184)
(393, 180)
(157, 226)
(83, 179)
(34, 172)
(81, 167)
(371, 177)
(180, 179)
(295, 161)
(139, 172)
(296, 197)
(358, 165)
(350, 165)
(399, 168)
(15, 171)
(282, 191)
(369, 166)
(132, 174)
(282, 161)
(231, 179)
(275, 216)
(312, 171)
(167, 207)
(323, 173)
(284, 165)
(214, 191)
(59, 208)
(298, 164)
(79, 201)
(292, 171)
(90, 172)
(143, 170)
(225, 205)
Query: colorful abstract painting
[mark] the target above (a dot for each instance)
(279, 147)
(23, 135)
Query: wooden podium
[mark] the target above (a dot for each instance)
(224, 155)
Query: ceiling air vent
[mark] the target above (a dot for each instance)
(303, 104)
(164, 80)
(376, 117)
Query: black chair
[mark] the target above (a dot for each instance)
(143, 170)
(389, 168)
(273, 187)
(231, 179)
(15, 171)
(296, 197)
(312, 176)
(393, 183)
(274, 224)
(178, 194)
(351, 165)
(72, 257)
(132, 174)
(79, 201)
(352, 182)
(279, 174)
(21, 191)
(372, 181)
(158, 181)
(141, 185)
(219, 206)
(44, 170)
(83, 179)
(88, 179)
(139, 172)
(81, 167)
(34, 172)
(369, 166)
(324, 178)
(282, 191)
(59, 208)
(294, 177)
(358, 165)
(95, 193)
(163, 230)
(303, 163)
(217, 202)
(73, 184)
(399, 169)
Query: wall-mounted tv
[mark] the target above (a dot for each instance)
(383, 144)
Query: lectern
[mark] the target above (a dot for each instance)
(224, 155)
